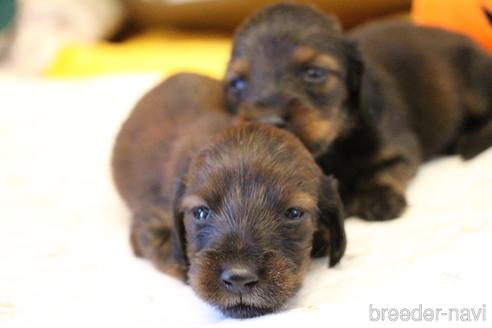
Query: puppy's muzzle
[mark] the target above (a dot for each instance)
(277, 113)
(274, 120)
(266, 115)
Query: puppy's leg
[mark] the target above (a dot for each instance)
(150, 237)
(379, 193)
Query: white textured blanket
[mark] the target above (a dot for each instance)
(65, 259)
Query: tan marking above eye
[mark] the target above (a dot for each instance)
(192, 201)
(238, 67)
(303, 200)
(327, 61)
(304, 54)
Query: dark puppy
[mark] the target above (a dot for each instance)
(238, 215)
(369, 117)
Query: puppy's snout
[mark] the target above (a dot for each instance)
(238, 279)
(274, 120)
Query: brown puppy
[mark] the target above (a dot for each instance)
(238, 215)
(369, 117)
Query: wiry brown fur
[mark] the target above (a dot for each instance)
(149, 154)
(178, 151)
(394, 95)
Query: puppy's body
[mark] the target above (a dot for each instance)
(152, 151)
(150, 137)
(428, 92)
(443, 80)
(431, 92)
(369, 115)
(235, 210)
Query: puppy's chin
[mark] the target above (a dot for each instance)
(244, 311)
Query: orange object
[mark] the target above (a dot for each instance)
(469, 17)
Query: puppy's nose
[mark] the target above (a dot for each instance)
(239, 278)
(274, 120)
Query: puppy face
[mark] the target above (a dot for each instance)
(248, 212)
(291, 67)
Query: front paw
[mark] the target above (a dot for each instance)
(151, 238)
(379, 203)
(146, 239)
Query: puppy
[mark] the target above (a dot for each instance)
(235, 210)
(370, 106)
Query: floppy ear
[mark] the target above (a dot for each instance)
(329, 238)
(355, 69)
(159, 235)
(365, 90)
(178, 231)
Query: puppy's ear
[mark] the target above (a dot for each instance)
(329, 238)
(355, 69)
(178, 231)
(365, 90)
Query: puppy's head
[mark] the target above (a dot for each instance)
(248, 215)
(292, 67)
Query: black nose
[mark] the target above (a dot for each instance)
(239, 278)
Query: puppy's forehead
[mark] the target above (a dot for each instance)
(253, 187)
(255, 163)
(252, 202)
(288, 24)
(287, 48)
(289, 17)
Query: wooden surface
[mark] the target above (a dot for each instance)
(227, 14)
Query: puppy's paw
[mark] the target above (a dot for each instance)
(379, 203)
(150, 237)
(146, 239)
(135, 243)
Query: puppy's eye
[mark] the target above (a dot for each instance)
(201, 213)
(294, 213)
(314, 74)
(238, 84)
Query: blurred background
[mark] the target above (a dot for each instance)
(73, 38)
